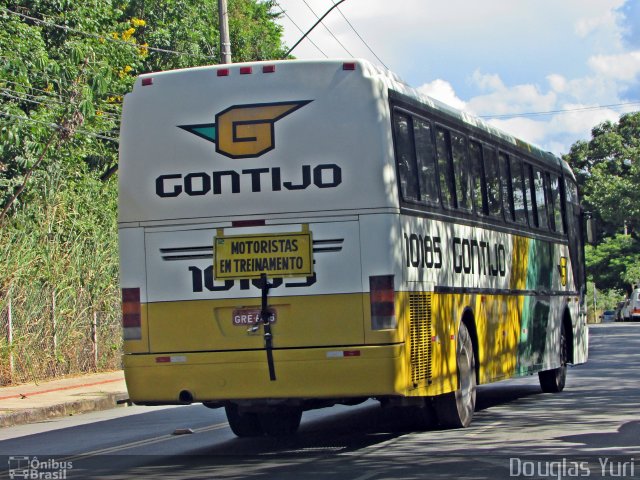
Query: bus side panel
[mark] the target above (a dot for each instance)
(522, 287)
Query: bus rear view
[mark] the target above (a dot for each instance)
(297, 234)
(250, 191)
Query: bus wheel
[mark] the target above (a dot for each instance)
(553, 381)
(455, 409)
(243, 424)
(281, 422)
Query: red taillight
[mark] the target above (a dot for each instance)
(147, 81)
(131, 314)
(383, 314)
(268, 69)
(245, 70)
(223, 72)
(349, 66)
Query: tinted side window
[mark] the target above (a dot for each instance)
(530, 194)
(445, 167)
(492, 177)
(477, 177)
(519, 207)
(557, 217)
(426, 157)
(462, 174)
(541, 204)
(505, 177)
(405, 157)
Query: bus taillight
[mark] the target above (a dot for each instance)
(383, 315)
(131, 316)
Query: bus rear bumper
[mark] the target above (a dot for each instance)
(314, 373)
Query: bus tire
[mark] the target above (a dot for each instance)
(281, 422)
(553, 381)
(243, 424)
(455, 409)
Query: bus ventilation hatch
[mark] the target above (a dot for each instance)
(421, 333)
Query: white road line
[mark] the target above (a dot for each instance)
(139, 443)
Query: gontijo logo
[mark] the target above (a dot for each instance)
(245, 131)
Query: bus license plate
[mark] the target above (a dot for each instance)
(242, 317)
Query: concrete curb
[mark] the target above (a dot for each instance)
(32, 415)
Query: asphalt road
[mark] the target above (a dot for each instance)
(591, 430)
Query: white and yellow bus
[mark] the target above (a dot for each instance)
(298, 234)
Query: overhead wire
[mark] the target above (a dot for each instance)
(282, 10)
(555, 112)
(35, 100)
(102, 37)
(58, 127)
(328, 30)
(360, 37)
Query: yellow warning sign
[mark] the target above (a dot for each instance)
(249, 256)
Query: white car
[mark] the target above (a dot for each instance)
(631, 309)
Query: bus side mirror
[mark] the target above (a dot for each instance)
(591, 230)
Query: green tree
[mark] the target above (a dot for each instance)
(64, 69)
(191, 28)
(60, 83)
(608, 171)
(614, 262)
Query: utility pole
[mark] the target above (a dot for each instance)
(225, 43)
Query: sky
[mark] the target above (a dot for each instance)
(497, 59)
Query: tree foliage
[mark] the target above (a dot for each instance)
(608, 171)
(64, 68)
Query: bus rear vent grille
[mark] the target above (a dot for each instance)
(421, 332)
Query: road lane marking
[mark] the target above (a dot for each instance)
(140, 443)
(484, 429)
(366, 476)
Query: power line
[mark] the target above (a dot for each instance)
(311, 29)
(362, 39)
(55, 126)
(111, 109)
(4, 80)
(553, 112)
(327, 28)
(301, 31)
(103, 37)
(9, 94)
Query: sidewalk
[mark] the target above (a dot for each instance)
(29, 403)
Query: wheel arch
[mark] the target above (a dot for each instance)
(568, 331)
(469, 320)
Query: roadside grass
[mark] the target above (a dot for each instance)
(59, 276)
